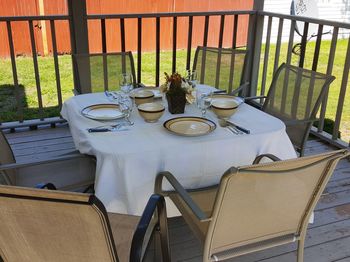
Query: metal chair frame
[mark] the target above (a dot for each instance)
(155, 211)
(328, 79)
(84, 68)
(13, 165)
(233, 91)
(197, 218)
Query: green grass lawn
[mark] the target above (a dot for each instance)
(28, 93)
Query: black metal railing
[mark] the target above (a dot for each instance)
(174, 16)
(19, 105)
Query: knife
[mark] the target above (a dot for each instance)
(219, 92)
(238, 127)
(111, 129)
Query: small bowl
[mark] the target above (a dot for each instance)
(151, 112)
(224, 108)
(142, 96)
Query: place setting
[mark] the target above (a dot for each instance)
(147, 100)
(119, 108)
(222, 105)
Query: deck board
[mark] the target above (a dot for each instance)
(328, 238)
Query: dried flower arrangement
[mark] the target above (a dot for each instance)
(177, 91)
(175, 84)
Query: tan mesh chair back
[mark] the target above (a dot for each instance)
(99, 72)
(266, 205)
(41, 225)
(7, 157)
(222, 68)
(295, 96)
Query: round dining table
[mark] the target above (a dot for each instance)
(128, 160)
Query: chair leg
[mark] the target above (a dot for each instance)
(301, 243)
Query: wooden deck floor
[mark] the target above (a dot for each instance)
(328, 238)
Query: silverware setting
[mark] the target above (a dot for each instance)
(242, 129)
(236, 129)
(111, 128)
(224, 124)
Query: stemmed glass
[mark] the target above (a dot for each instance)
(126, 105)
(204, 101)
(125, 82)
(112, 96)
(192, 77)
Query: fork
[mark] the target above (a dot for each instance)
(223, 123)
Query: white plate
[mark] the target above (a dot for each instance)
(102, 112)
(190, 126)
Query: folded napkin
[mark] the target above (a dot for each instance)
(190, 98)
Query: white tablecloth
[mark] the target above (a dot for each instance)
(128, 161)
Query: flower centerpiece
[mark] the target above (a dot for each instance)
(176, 88)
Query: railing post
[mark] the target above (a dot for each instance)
(79, 43)
(255, 31)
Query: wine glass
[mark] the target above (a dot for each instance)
(125, 82)
(204, 102)
(192, 77)
(126, 105)
(112, 96)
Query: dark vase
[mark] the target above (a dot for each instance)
(176, 103)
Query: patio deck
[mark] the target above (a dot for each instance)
(328, 238)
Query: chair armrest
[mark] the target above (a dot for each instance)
(141, 237)
(272, 157)
(140, 85)
(181, 191)
(295, 122)
(248, 98)
(41, 162)
(75, 92)
(49, 186)
(251, 100)
(239, 89)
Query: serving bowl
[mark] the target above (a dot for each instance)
(142, 96)
(151, 112)
(224, 108)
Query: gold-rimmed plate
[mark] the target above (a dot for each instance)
(102, 112)
(190, 126)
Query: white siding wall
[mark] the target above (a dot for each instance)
(336, 10)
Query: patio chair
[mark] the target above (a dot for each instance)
(222, 68)
(254, 207)
(58, 170)
(46, 225)
(100, 71)
(294, 97)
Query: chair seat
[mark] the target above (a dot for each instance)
(123, 228)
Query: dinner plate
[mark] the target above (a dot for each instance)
(190, 126)
(102, 112)
(156, 91)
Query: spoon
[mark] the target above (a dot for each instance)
(223, 123)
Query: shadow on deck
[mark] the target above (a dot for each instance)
(328, 238)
